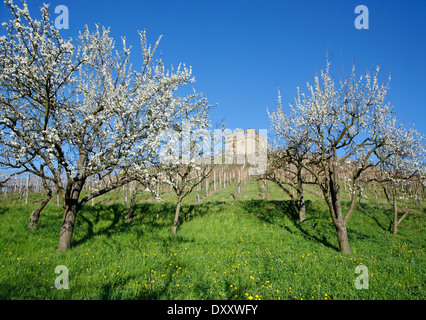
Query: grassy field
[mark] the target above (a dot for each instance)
(247, 248)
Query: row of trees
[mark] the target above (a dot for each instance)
(343, 129)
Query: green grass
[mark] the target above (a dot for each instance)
(225, 249)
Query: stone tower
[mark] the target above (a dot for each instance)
(245, 147)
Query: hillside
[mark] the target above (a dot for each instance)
(244, 248)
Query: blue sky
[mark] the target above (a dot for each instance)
(241, 50)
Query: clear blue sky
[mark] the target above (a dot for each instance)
(241, 50)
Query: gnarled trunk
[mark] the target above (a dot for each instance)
(301, 197)
(67, 228)
(339, 223)
(342, 236)
(335, 208)
(35, 215)
(70, 214)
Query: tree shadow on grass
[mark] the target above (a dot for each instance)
(285, 214)
(154, 216)
(149, 216)
(201, 209)
(4, 209)
(388, 222)
(92, 215)
(270, 211)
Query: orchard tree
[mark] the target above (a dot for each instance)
(71, 110)
(402, 166)
(348, 122)
(185, 159)
(35, 67)
(290, 155)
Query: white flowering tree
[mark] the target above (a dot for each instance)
(403, 166)
(186, 157)
(348, 122)
(290, 153)
(71, 110)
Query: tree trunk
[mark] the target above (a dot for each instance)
(35, 215)
(301, 200)
(70, 214)
(336, 210)
(130, 207)
(342, 237)
(175, 223)
(67, 228)
(302, 208)
(395, 216)
(340, 225)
